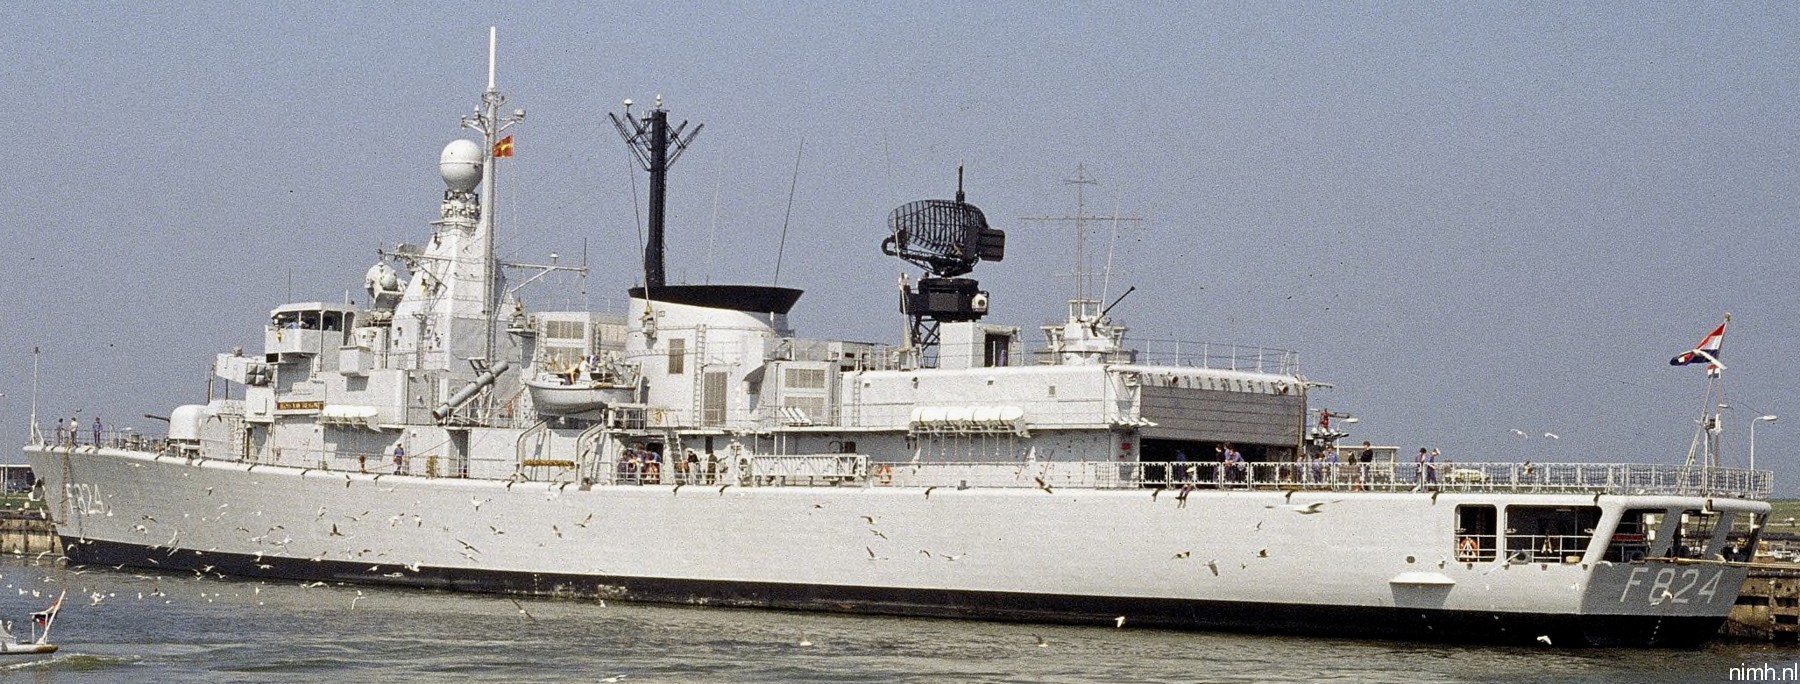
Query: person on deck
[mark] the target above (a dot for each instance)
(1234, 465)
(1363, 459)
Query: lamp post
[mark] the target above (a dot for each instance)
(1753, 422)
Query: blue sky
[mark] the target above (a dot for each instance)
(1469, 218)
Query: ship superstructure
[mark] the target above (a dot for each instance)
(694, 448)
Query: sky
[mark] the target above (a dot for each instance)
(1468, 218)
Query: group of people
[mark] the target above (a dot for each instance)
(639, 465)
(70, 434)
(1231, 468)
(1328, 466)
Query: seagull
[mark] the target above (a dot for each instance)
(673, 492)
(871, 552)
(1308, 509)
(1262, 553)
(1544, 639)
(1040, 640)
(522, 609)
(1044, 485)
(722, 488)
(1155, 492)
(879, 534)
(1214, 566)
(928, 491)
(1520, 433)
(1184, 554)
(479, 502)
(1119, 621)
(871, 519)
(584, 523)
(1552, 435)
(803, 640)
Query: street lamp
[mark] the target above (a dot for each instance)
(1753, 422)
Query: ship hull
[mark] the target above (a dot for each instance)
(1212, 560)
(1141, 612)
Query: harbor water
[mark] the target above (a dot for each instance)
(133, 626)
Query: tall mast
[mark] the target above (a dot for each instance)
(651, 138)
(488, 120)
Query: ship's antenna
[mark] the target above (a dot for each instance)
(1082, 305)
(637, 211)
(712, 230)
(793, 184)
(493, 45)
(36, 437)
(1111, 247)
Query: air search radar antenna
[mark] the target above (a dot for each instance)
(946, 238)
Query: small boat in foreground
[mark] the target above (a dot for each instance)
(40, 640)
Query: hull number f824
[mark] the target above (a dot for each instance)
(1674, 585)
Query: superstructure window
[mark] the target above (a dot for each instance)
(1549, 534)
(1695, 534)
(1636, 532)
(804, 378)
(677, 356)
(1477, 533)
(565, 330)
(1740, 541)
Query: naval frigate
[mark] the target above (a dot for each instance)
(693, 448)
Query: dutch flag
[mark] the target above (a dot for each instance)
(1708, 351)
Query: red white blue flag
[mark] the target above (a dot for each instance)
(1708, 351)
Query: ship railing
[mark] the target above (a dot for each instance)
(1211, 355)
(1546, 548)
(1547, 478)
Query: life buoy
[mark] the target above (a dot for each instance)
(885, 473)
(1465, 550)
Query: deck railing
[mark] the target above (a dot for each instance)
(857, 469)
(1550, 478)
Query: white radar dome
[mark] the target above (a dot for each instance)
(460, 165)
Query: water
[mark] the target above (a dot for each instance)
(213, 630)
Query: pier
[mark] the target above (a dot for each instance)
(27, 532)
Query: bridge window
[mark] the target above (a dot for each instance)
(1549, 534)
